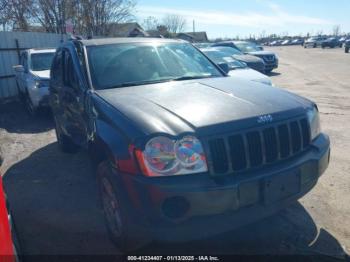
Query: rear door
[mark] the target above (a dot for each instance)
(73, 98)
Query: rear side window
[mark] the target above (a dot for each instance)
(57, 67)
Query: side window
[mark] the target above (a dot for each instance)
(57, 67)
(70, 75)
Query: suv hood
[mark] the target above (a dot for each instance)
(205, 104)
(250, 75)
(248, 58)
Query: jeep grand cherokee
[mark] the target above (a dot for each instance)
(182, 150)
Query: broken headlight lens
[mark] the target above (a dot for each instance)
(314, 122)
(163, 156)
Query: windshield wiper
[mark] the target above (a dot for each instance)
(149, 82)
(181, 78)
(139, 83)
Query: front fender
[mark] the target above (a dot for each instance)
(113, 137)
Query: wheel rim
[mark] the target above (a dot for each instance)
(111, 208)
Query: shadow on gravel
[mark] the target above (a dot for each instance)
(54, 201)
(14, 119)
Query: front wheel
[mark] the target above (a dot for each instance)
(122, 234)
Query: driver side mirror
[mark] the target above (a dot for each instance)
(224, 67)
(19, 68)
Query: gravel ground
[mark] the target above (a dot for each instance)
(54, 200)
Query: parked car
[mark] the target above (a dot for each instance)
(252, 61)
(347, 46)
(182, 150)
(9, 246)
(342, 40)
(202, 45)
(32, 77)
(315, 41)
(235, 68)
(331, 42)
(270, 58)
(297, 42)
(286, 42)
(274, 43)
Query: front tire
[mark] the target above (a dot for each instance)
(123, 235)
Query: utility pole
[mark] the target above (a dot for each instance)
(194, 27)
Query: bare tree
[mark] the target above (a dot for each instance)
(174, 23)
(319, 33)
(51, 14)
(150, 23)
(3, 4)
(336, 30)
(3, 15)
(17, 12)
(89, 17)
(94, 16)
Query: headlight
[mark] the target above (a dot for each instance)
(314, 122)
(163, 156)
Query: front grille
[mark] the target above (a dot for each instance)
(269, 58)
(257, 148)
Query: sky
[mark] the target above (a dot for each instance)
(232, 18)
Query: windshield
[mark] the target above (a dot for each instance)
(247, 47)
(219, 57)
(41, 61)
(129, 64)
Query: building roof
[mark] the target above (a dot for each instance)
(195, 36)
(121, 40)
(125, 29)
(155, 33)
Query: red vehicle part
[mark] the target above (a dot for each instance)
(6, 246)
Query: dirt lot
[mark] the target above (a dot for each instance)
(54, 198)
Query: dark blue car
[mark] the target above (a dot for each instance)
(182, 150)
